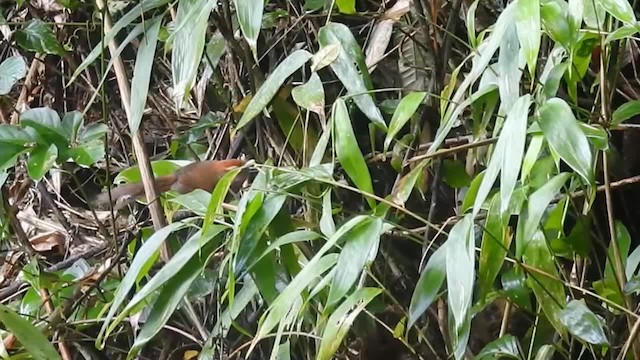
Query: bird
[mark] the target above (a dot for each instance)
(202, 175)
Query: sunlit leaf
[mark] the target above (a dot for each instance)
(505, 347)
(325, 56)
(12, 69)
(564, 135)
(310, 95)
(625, 112)
(529, 31)
(495, 244)
(620, 9)
(249, 14)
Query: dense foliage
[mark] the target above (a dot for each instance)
(429, 179)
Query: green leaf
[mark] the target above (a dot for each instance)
(29, 336)
(348, 152)
(310, 95)
(142, 73)
(455, 174)
(529, 220)
(270, 87)
(508, 72)
(9, 154)
(10, 134)
(217, 198)
(148, 249)
(549, 292)
(37, 36)
(188, 45)
(352, 79)
(620, 9)
(562, 132)
(71, 124)
(429, 285)
(625, 112)
(554, 16)
(85, 154)
(361, 241)
(173, 292)
(249, 14)
(341, 320)
(460, 280)
(495, 244)
(507, 156)
(46, 122)
(545, 352)
(346, 6)
(582, 323)
(623, 32)
(405, 110)
(12, 69)
(529, 32)
(325, 56)
(505, 347)
(41, 160)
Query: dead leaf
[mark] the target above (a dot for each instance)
(49, 241)
(381, 34)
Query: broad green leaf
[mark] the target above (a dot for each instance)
(173, 292)
(72, 122)
(344, 68)
(310, 95)
(348, 152)
(148, 249)
(249, 14)
(353, 258)
(188, 45)
(405, 110)
(46, 122)
(508, 72)
(552, 81)
(460, 246)
(625, 112)
(85, 154)
(505, 347)
(562, 132)
(554, 16)
(529, 31)
(341, 320)
(596, 135)
(582, 323)
(270, 87)
(623, 32)
(160, 168)
(529, 220)
(495, 244)
(123, 22)
(346, 6)
(514, 135)
(142, 73)
(620, 9)
(429, 285)
(41, 160)
(506, 157)
(12, 69)
(29, 336)
(37, 36)
(549, 292)
(545, 352)
(10, 134)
